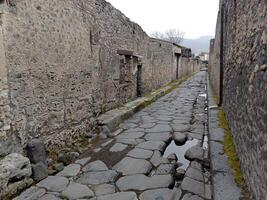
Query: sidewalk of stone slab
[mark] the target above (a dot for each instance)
(224, 186)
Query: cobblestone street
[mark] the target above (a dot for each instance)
(145, 158)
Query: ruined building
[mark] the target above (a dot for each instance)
(63, 63)
(238, 65)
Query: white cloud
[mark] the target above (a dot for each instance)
(194, 17)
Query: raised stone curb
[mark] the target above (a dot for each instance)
(113, 118)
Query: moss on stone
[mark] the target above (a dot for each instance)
(173, 85)
(230, 150)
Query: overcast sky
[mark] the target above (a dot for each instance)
(194, 17)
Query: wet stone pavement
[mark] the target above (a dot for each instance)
(160, 153)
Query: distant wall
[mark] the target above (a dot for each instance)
(64, 69)
(245, 84)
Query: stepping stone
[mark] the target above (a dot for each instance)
(195, 153)
(195, 174)
(104, 189)
(97, 178)
(49, 197)
(165, 169)
(95, 166)
(159, 128)
(77, 191)
(164, 137)
(152, 145)
(157, 159)
(31, 193)
(130, 166)
(70, 170)
(54, 183)
(141, 182)
(161, 194)
(179, 138)
(83, 161)
(140, 153)
(119, 196)
(118, 147)
(195, 187)
(130, 141)
(130, 135)
(180, 127)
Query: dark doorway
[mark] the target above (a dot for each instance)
(177, 56)
(139, 81)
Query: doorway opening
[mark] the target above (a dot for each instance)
(177, 57)
(139, 81)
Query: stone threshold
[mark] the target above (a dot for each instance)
(113, 118)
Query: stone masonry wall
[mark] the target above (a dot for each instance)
(214, 60)
(59, 60)
(245, 85)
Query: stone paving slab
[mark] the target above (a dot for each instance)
(95, 166)
(161, 194)
(104, 189)
(119, 196)
(54, 183)
(195, 187)
(157, 159)
(77, 191)
(195, 174)
(118, 147)
(49, 197)
(96, 178)
(225, 182)
(142, 182)
(70, 170)
(140, 153)
(164, 137)
(152, 145)
(31, 193)
(130, 166)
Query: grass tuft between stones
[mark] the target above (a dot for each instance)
(230, 150)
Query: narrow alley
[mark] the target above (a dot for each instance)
(128, 100)
(159, 153)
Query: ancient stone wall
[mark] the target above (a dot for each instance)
(62, 66)
(245, 85)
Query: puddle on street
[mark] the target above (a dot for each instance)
(180, 151)
(203, 95)
(205, 142)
